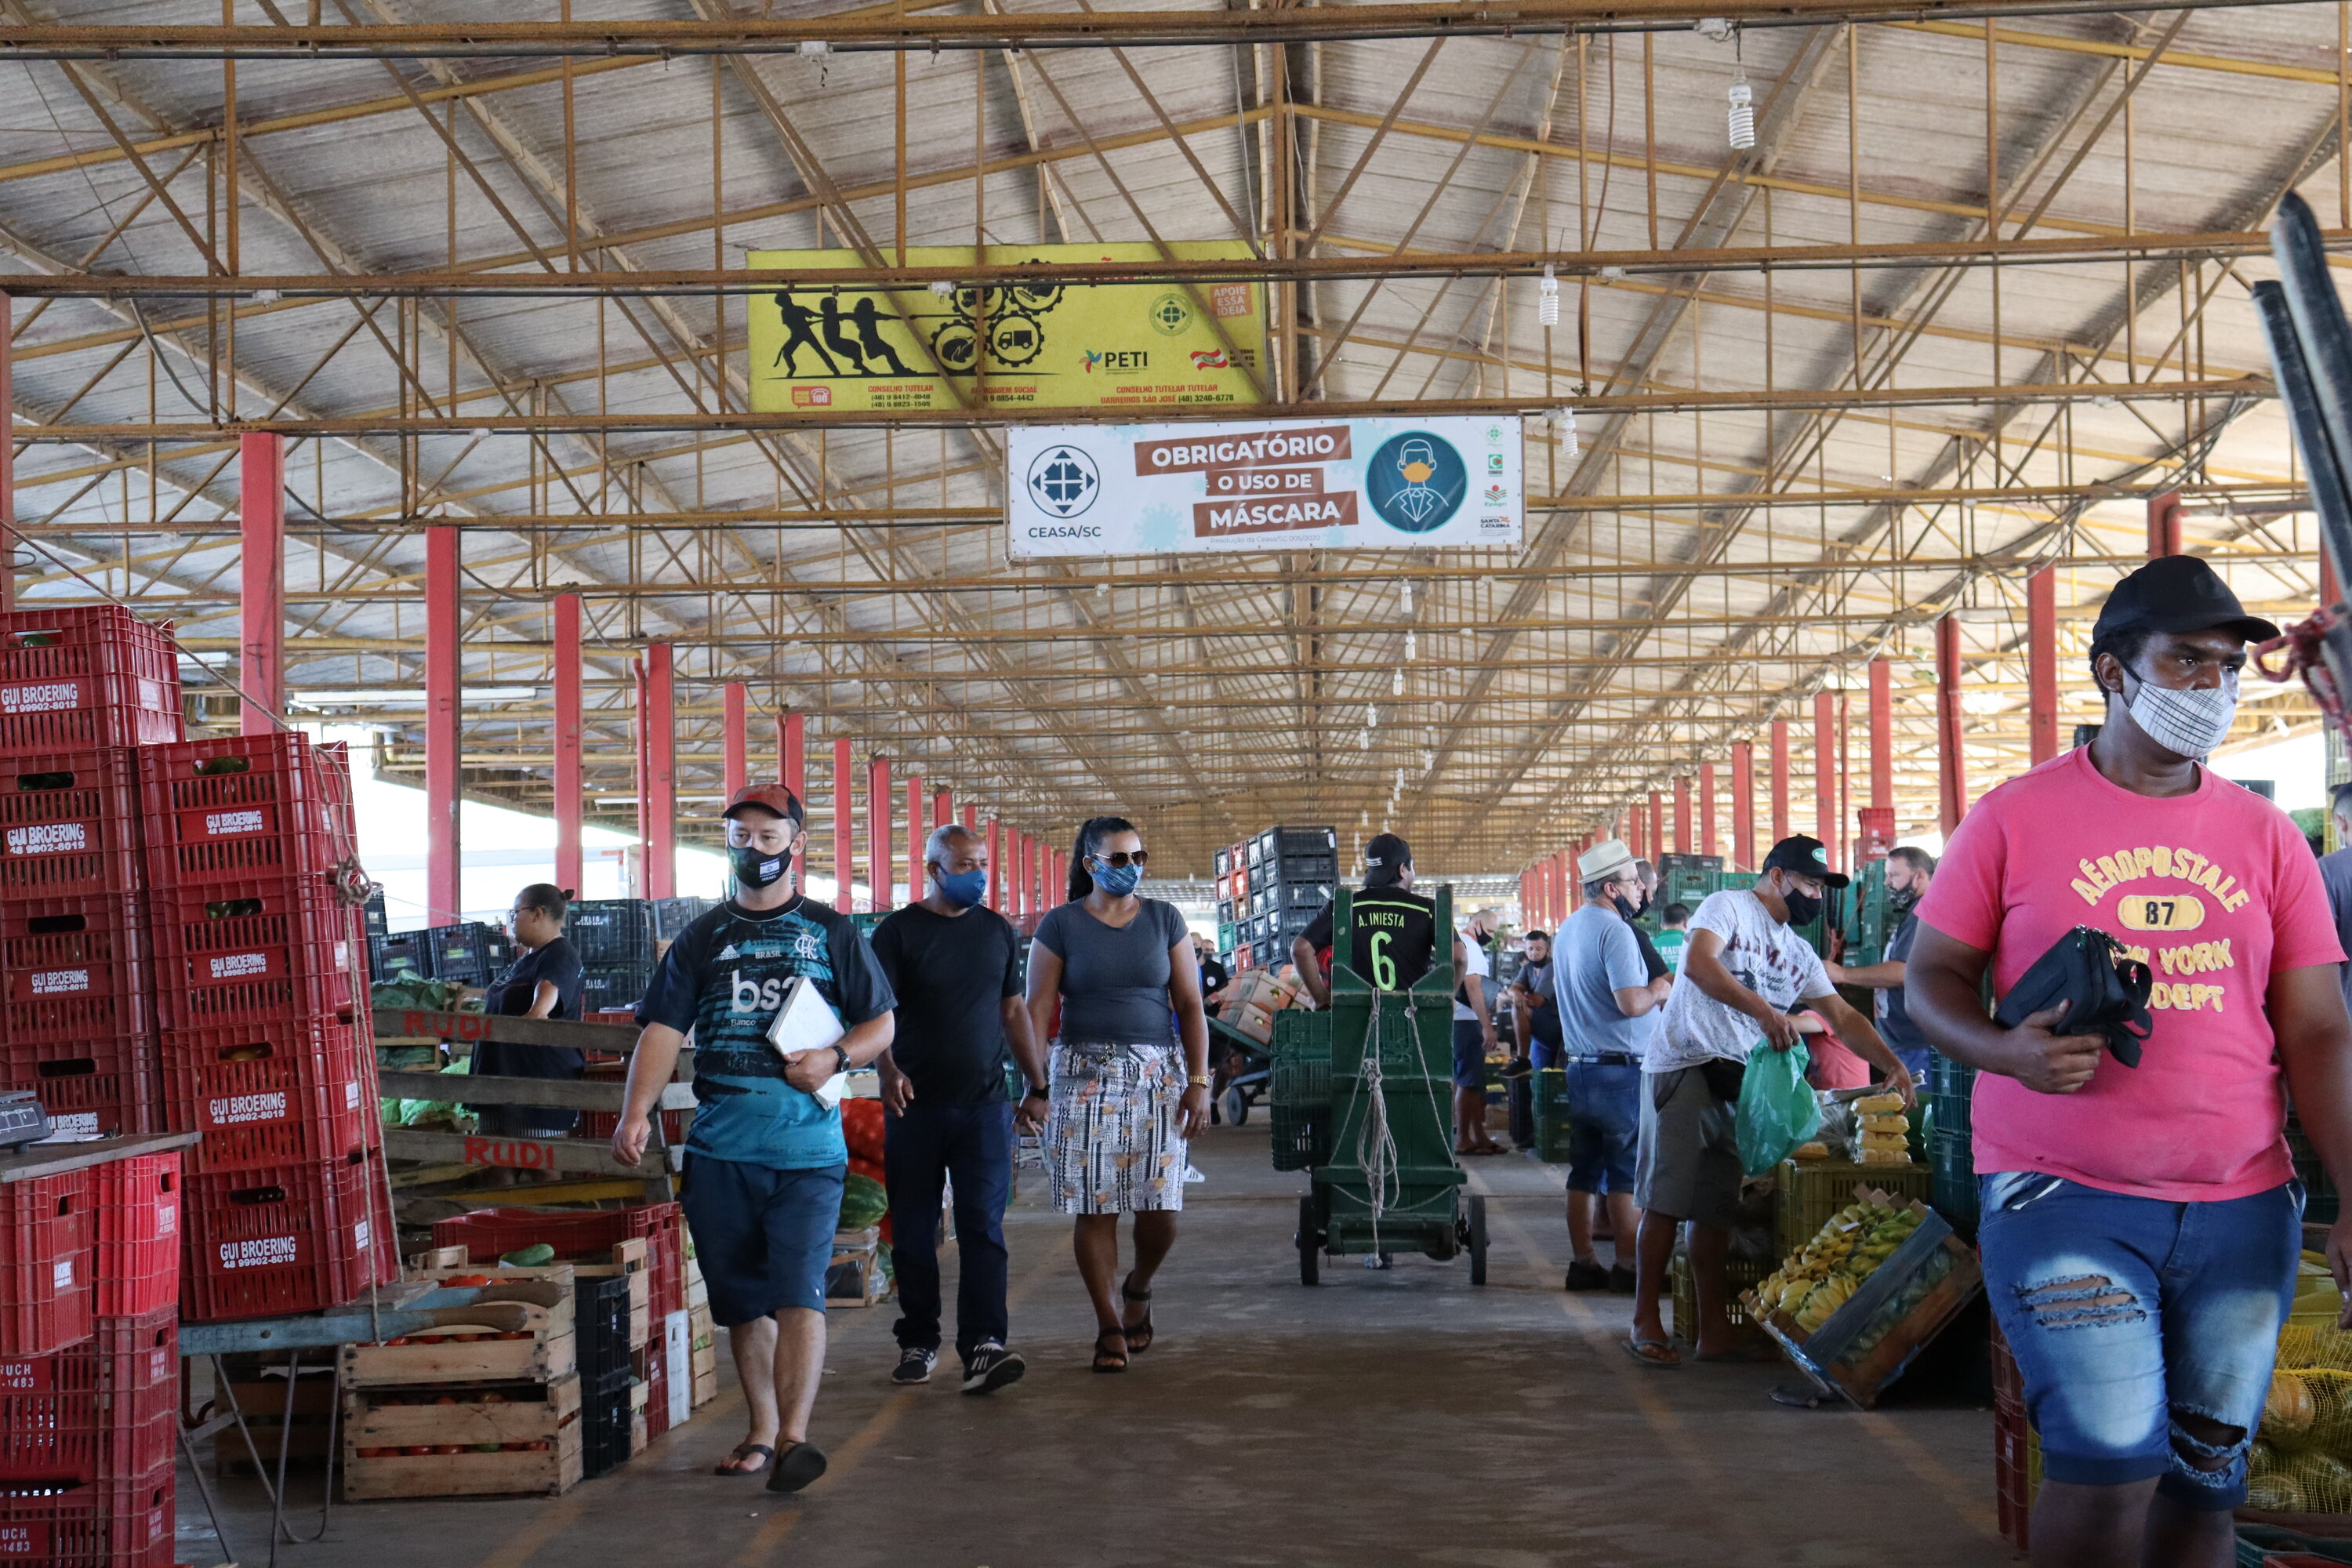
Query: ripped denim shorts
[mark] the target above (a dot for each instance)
(2125, 1313)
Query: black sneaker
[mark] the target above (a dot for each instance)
(1586, 1274)
(914, 1365)
(1620, 1280)
(990, 1367)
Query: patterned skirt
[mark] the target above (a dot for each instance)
(1112, 1143)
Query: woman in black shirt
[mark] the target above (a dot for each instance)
(543, 982)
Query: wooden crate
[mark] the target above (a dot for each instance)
(468, 1423)
(544, 1352)
(1857, 1352)
(853, 1277)
(706, 1375)
(629, 1257)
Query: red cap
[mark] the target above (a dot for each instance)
(773, 798)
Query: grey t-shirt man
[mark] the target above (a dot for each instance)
(1595, 956)
(2336, 876)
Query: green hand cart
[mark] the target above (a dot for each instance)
(1361, 1097)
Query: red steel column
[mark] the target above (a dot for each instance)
(2164, 524)
(1634, 832)
(792, 756)
(995, 867)
(1779, 779)
(261, 580)
(2042, 665)
(1682, 814)
(1951, 768)
(1022, 901)
(1707, 840)
(943, 807)
(880, 875)
(643, 776)
(1882, 736)
(571, 799)
(971, 817)
(1657, 826)
(444, 720)
(8, 461)
(845, 852)
(917, 831)
(1743, 805)
(735, 745)
(661, 761)
(1825, 783)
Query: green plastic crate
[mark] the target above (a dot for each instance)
(1298, 1090)
(1552, 1115)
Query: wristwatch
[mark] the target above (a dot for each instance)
(1038, 1092)
(1198, 1081)
(841, 1058)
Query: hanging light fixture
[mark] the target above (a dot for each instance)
(1396, 682)
(1547, 298)
(1411, 648)
(1563, 429)
(1371, 717)
(1743, 113)
(1404, 593)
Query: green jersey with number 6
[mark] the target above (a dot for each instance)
(1396, 937)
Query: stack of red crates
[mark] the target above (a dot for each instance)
(2012, 1478)
(89, 1372)
(263, 1025)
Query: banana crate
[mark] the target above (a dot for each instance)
(1881, 1322)
(1807, 1193)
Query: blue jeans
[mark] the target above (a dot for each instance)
(973, 1144)
(2124, 1313)
(762, 1235)
(1469, 1054)
(1604, 1128)
(1545, 1054)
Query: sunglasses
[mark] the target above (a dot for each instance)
(1119, 859)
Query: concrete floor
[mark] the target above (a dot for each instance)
(1384, 1418)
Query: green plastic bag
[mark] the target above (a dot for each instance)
(1777, 1108)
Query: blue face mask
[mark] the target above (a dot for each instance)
(965, 889)
(1116, 880)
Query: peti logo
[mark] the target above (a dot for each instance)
(48, 697)
(234, 1109)
(49, 838)
(220, 823)
(260, 1253)
(59, 982)
(238, 965)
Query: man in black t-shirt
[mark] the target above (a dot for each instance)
(543, 982)
(955, 967)
(1396, 928)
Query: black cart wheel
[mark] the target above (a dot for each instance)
(1478, 1240)
(1310, 1244)
(1236, 1107)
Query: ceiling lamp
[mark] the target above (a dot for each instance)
(1563, 429)
(1547, 298)
(1743, 113)
(1396, 682)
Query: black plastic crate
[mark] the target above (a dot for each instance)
(1225, 911)
(601, 1323)
(1287, 841)
(611, 931)
(392, 957)
(604, 1424)
(610, 987)
(1669, 863)
(472, 953)
(672, 916)
(1321, 867)
(1308, 896)
(1224, 861)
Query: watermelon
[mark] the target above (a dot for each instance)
(863, 1202)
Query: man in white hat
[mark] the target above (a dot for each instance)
(1608, 1011)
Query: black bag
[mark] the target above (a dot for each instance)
(1723, 1077)
(2108, 990)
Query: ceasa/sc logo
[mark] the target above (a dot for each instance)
(1062, 482)
(1416, 481)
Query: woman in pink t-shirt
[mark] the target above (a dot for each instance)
(2141, 1224)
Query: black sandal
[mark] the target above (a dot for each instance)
(1106, 1358)
(1143, 1330)
(733, 1465)
(796, 1467)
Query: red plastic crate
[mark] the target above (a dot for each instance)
(105, 1409)
(2012, 1496)
(264, 1243)
(69, 823)
(72, 969)
(44, 1240)
(135, 1245)
(265, 1094)
(376, 1251)
(489, 1234)
(102, 1525)
(2008, 1381)
(74, 680)
(84, 1094)
(257, 952)
(241, 806)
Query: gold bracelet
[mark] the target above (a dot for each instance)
(1198, 1081)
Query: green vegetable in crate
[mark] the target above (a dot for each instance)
(538, 1255)
(863, 1202)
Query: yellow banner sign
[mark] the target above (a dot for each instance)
(1033, 345)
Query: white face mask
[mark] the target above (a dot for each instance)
(2191, 723)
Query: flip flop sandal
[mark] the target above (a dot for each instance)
(732, 1464)
(1108, 1360)
(796, 1467)
(1143, 1330)
(1635, 1348)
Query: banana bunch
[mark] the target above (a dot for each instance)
(1815, 1282)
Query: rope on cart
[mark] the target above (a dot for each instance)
(1376, 1150)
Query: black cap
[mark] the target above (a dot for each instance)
(1806, 856)
(1385, 859)
(774, 797)
(2179, 594)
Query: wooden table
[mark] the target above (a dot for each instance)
(34, 1160)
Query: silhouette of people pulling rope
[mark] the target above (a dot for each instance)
(856, 335)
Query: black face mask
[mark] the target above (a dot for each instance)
(1627, 906)
(759, 868)
(1803, 907)
(1900, 902)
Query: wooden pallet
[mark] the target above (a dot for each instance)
(469, 1422)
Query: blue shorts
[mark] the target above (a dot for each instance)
(763, 1236)
(2122, 1310)
(1545, 1054)
(1469, 1054)
(1604, 1125)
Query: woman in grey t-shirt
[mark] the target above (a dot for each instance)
(1124, 1101)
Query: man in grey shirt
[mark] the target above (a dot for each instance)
(2336, 876)
(1608, 1003)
